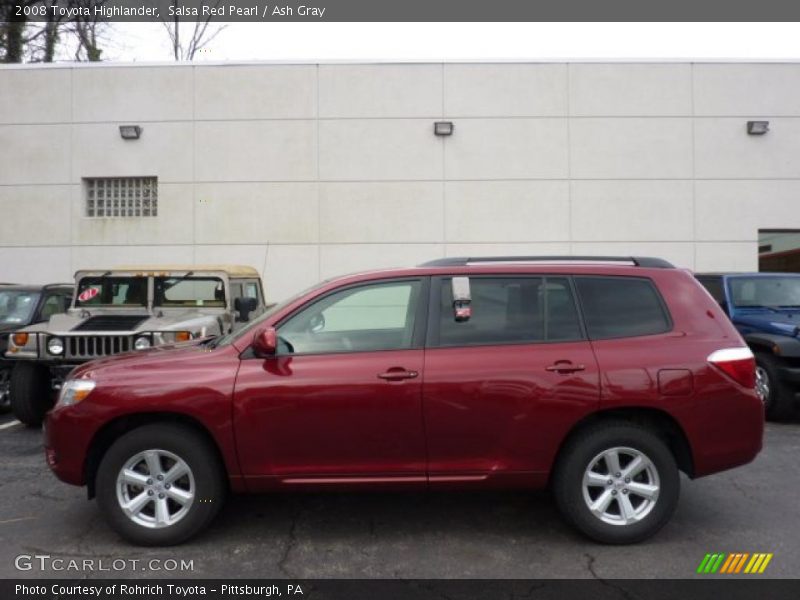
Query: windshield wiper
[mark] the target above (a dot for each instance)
(772, 308)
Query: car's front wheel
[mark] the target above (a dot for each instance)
(30, 392)
(616, 482)
(5, 383)
(160, 484)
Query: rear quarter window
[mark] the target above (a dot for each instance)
(618, 307)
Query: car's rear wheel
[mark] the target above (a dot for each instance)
(160, 484)
(30, 392)
(616, 482)
(774, 393)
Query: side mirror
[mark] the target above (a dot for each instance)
(265, 343)
(244, 306)
(462, 299)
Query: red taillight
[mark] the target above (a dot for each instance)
(737, 363)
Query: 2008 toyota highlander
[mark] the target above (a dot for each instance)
(600, 377)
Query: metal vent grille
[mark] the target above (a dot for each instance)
(121, 197)
(94, 346)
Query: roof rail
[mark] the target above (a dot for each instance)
(637, 261)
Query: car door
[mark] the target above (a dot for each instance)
(502, 388)
(342, 399)
(53, 302)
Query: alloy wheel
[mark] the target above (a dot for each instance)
(762, 383)
(155, 488)
(621, 486)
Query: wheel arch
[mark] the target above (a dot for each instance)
(781, 346)
(654, 419)
(114, 429)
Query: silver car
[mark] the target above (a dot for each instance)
(126, 309)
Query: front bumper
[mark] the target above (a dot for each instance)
(67, 437)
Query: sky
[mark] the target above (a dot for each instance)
(148, 42)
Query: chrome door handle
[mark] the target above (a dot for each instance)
(565, 367)
(398, 375)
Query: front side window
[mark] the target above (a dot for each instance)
(508, 310)
(112, 291)
(617, 307)
(366, 318)
(17, 307)
(769, 292)
(251, 289)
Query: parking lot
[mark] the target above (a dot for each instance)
(477, 535)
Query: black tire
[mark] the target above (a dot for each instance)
(31, 393)
(580, 452)
(779, 403)
(5, 398)
(187, 444)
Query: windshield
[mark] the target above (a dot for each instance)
(17, 306)
(766, 292)
(189, 291)
(112, 291)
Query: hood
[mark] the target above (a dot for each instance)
(86, 322)
(151, 358)
(784, 322)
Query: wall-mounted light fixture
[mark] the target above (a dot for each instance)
(443, 128)
(757, 127)
(130, 132)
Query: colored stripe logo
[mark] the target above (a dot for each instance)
(733, 563)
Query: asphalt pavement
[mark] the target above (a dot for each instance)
(755, 508)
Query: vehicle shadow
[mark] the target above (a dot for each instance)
(334, 514)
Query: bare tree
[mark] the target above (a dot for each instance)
(13, 31)
(201, 34)
(26, 40)
(89, 31)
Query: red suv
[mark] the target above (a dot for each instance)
(599, 377)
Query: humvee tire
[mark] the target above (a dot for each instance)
(31, 394)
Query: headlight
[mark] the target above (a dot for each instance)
(75, 390)
(55, 346)
(141, 343)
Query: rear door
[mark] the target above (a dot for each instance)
(503, 388)
(644, 360)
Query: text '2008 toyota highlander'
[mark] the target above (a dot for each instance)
(599, 377)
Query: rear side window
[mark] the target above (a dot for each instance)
(508, 310)
(616, 307)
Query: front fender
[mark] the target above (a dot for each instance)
(786, 346)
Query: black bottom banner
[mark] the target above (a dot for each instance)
(404, 589)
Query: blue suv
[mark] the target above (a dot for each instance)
(765, 308)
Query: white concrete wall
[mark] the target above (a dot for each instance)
(310, 171)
